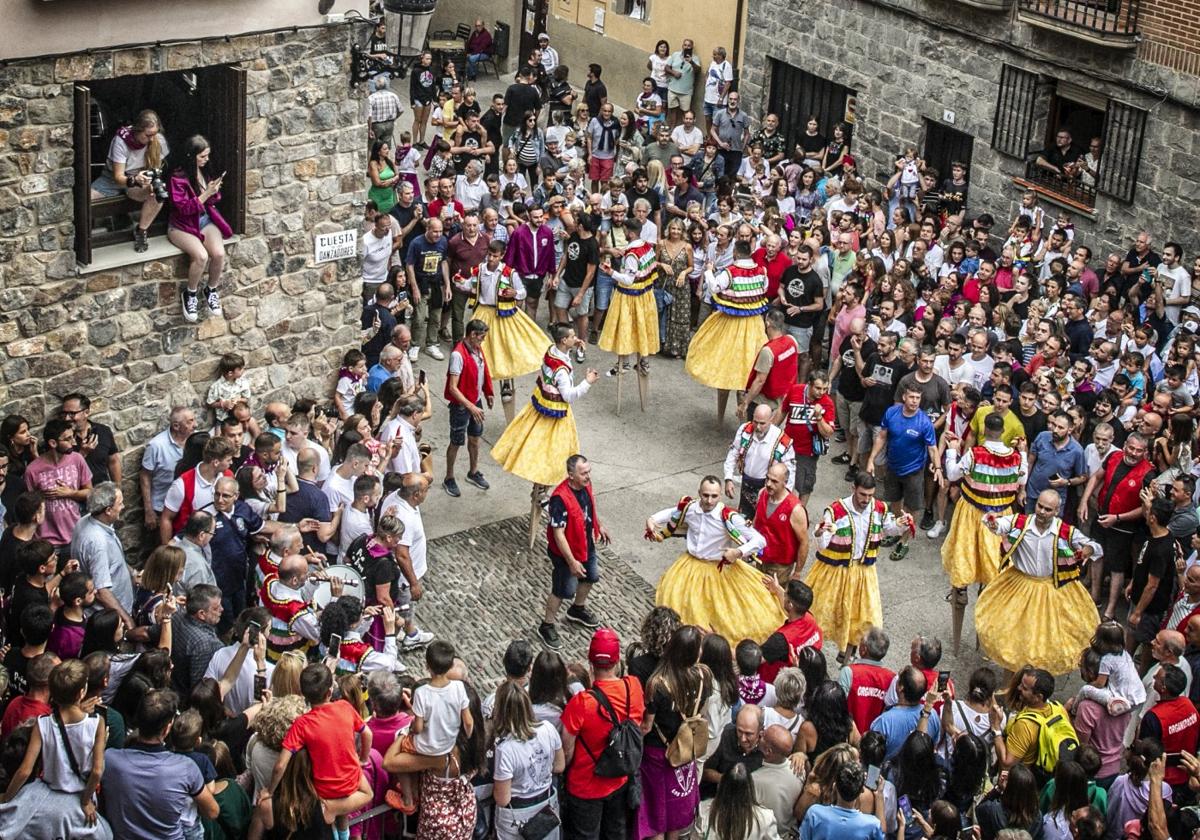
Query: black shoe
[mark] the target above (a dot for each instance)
(839, 436)
(451, 487)
(927, 521)
(190, 302)
(840, 460)
(888, 542)
(140, 242)
(478, 480)
(548, 633)
(851, 474)
(582, 615)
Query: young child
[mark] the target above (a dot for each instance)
(1037, 216)
(230, 389)
(73, 764)
(1064, 223)
(352, 381)
(328, 731)
(1133, 363)
(751, 687)
(439, 707)
(442, 164)
(66, 636)
(1117, 687)
(909, 167)
(407, 158)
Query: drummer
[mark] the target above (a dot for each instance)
(288, 596)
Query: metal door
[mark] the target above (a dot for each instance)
(944, 144)
(797, 94)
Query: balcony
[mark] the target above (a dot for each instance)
(986, 5)
(1109, 23)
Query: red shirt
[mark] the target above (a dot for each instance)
(327, 733)
(582, 719)
(20, 710)
(801, 433)
(774, 269)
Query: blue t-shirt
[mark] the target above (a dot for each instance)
(833, 822)
(908, 440)
(426, 259)
(1068, 462)
(148, 791)
(898, 722)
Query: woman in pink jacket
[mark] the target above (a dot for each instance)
(196, 226)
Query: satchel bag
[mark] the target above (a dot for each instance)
(539, 825)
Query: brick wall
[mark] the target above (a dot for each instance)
(1171, 29)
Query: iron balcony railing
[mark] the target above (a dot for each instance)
(1106, 18)
(1070, 188)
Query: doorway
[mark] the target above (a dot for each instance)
(945, 145)
(797, 94)
(533, 23)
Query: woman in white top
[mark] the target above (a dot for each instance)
(973, 713)
(657, 65)
(528, 755)
(136, 150)
(734, 813)
(789, 694)
(512, 175)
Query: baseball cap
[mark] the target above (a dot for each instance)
(1192, 310)
(543, 37)
(605, 649)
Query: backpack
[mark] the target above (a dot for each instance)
(691, 739)
(622, 753)
(1057, 740)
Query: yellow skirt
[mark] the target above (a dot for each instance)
(723, 350)
(631, 325)
(970, 552)
(1022, 620)
(514, 345)
(846, 601)
(536, 447)
(731, 600)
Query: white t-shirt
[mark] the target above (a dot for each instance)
(658, 69)
(981, 370)
(529, 764)
(408, 459)
(339, 491)
(134, 159)
(684, 138)
(377, 252)
(323, 466)
(202, 495)
(717, 73)
(441, 710)
(414, 532)
(1123, 679)
(241, 696)
(1181, 287)
(355, 523)
(774, 718)
(347, 389)
(953, 376)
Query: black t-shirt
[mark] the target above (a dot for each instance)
(520, 98)
(651, 196)
(667, 719)
(382, 571)
(404, 215)
(642, 666)
(728, 755)
(593, 94)
(1157, 558)
(1034, 424)
(17, 666)
(579, 254)
(470, 140)
(558, 516)
(880, 396)
(24, 594)
(800, 290)
(813, 146)
(849, 383)
(387, 323)
(97, 459)
(422, 85)
(954, 196)
(9, 546)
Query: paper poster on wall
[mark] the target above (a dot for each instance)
(851, 109)
(598, 19)
(529, 22)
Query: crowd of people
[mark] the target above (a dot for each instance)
(983, 384)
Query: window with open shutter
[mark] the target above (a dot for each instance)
(223, 94)
(1012, 127)
(83, 174)
(1124, 131)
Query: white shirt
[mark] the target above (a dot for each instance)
(306, 624)
(323, 467)
(706, 535)
(758, 455)
(377, 252)
(861, 520)
(408, 459)
(202, 494)
(953, 376)
(489, 284)
(528, 764)
(241, 694)
(717, 73)
(896, 326)
(567, 389)
(355, 523)
(440, 707)
(469, 194)
(685, 139)
(414, 531)
(981, 370)
(1034, 554)
(1181, 287)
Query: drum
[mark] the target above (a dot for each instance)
(352, 584)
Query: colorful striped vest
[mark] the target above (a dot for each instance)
(281, 638)
(746, 294)
(991, 483)
(647, 269)
(504, 308)
(1067, 567)
(546, 398)
(746, 437)
(840, 551)
(351, 655)
(727, 514)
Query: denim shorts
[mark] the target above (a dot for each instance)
(803, 336)
(563, 584)
(605, 286)
(463, 425)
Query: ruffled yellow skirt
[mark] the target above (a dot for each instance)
(631, 325)
(731, 600)
(846, 601)
(514, 345)
(536, 447)
(970, 552)
(1024, 620)
(723, 350)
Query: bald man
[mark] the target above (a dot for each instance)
(756, 446)
(287, 595)
(741, 743)
(1166, 648)
(775, 783)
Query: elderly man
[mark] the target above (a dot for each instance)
(287, 594)
(776, 785)
(469, 187)
(235, 525)
(194, 539)
(1165, 649)
(740, 743)
(410, 554)
(402, 340)
(95, 544)
(383, 108)
(194, 637)
(756, 446)
(478, 47)
(161, 455)
(388, 366)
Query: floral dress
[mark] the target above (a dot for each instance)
(678, 315)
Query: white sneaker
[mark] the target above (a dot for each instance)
(936, 531)
(435, 352)
(414, 353)
(417, 640)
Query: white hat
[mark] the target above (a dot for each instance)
(543, 37)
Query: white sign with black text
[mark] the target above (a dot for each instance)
(341, 245)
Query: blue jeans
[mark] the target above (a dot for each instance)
(472, 61)
(605, 286)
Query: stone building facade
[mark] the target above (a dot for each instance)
(948, 72)
(113, 329)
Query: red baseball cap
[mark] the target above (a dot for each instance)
(605, 649)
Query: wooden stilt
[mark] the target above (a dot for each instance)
(535, 513)
(620, 376)
(722, 401)
(510, 407)
(643, 381)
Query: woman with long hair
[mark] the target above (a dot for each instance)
(629, 144)
(527, 144)
(196, 227)
(834, 156)
(354, 655)
(549, 688)
(382, 172)
(1130, 792)
(529, 754)
(1013, 803)
(678, 688)
(293, 811)
(657, 628)
(973, 713)
(675, 264)
(285, 679)
(815, 668)
(828, 720)
(252, 489)
(22, 449)
(917, 774)
(967, 771)
(160, 578)
(136, 150)
(723, 702)
(734, 813)
(1070, 794)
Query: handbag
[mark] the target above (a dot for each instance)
(540, 824)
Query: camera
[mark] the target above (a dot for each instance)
(156, 184)
(330, 411)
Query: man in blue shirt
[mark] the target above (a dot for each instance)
(308, 508)
(909, 714)
(842, 820)
(1056, 462)
(389, 362)
(907, 434)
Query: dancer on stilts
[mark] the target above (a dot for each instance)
(631, 327)
(992, 475)
(723, 350)
(514, 344)
(538, 441)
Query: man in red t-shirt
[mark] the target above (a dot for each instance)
(596, 805)
(772, 259)
(805, 409)
(35, 702)
(327, 730)
(799, 631)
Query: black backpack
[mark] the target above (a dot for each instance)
(622, 753)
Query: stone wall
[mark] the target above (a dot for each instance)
(909, 60)
(119, 335)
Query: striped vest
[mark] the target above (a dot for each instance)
(546, 398)
(783, 445)
(351, 655)
(504, 308)
(647, 269)
(1066, 567)
(746, 294)
(840, 551)
(991, 483)
(281, 638)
